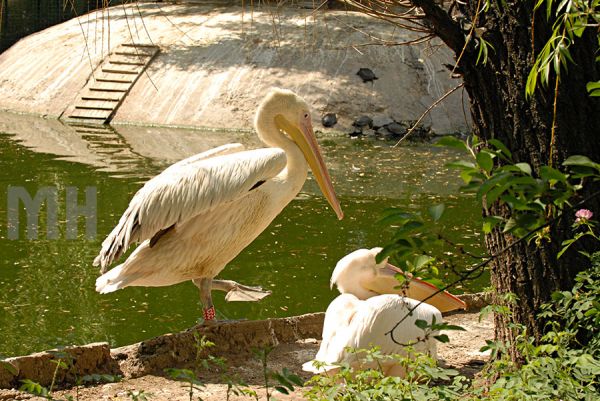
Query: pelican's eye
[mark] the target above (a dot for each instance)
(306, 116)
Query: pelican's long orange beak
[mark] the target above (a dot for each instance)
(307, 142)
(386, 283)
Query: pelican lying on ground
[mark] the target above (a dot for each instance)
(199, 213)
(359, 273)
(361, 324)
(369, 307)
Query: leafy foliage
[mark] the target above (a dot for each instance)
(565, 364)
(532, 197)
(366, 379)
(571, 19)
(576, 313)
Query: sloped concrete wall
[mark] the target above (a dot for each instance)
(217, 61)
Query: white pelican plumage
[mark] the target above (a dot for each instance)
(370, 306)
(199, 213)
(361, 324)
(359, 273)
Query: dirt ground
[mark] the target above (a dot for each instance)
(462, 353)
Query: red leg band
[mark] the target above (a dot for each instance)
(209, 313)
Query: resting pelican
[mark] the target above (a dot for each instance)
(355, 323)
(199, 213)
(368, 309)
(358, 273)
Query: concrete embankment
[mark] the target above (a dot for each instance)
(217, 60)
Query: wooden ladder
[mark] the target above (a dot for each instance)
(108, 85)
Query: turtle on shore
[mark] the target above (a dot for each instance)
(366, 74)
(329, 120)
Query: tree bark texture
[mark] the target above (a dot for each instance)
(501, 110)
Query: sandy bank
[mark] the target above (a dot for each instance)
(295, 340)
(216, 61)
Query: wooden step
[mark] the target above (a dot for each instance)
(147, 45)
(102, 96)
(115, 78)
(96, 104)
(79, 106)
(91, 114)
(109, 86)
(128, 60)
(137, 52)
(122, 69)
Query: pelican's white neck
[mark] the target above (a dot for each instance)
(269, 134)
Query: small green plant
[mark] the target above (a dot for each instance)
(286, 380)
(365, 379)
(565, 364)
(62, 360)
(138, 395)
(189, 377)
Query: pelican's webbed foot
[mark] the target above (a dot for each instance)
(237, 292)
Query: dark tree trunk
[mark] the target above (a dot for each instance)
(500, 110)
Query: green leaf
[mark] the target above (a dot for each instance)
(510, 224)
(467, 175)
(436, 211)
(392, 219)
(443, 338)
(593, 88)
(422, 324)
(452, 142)
(389, 250)
(501, 147)
(490, 222)
(578, 160)
(485, 161)
(282, 389)
(524, 167)
(34, 388)
(461, 164)
(493, 194)
(422, 260)
(552, 175)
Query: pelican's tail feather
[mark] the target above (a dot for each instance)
(112, 280)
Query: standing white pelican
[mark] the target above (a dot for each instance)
(359, 273)
(199, 213)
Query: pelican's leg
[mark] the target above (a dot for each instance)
(205, 286)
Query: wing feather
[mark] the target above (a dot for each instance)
(192, 186)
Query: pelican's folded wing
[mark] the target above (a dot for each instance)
(190, 187)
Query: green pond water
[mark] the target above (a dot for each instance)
(47, 296)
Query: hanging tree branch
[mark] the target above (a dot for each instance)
(425, 16)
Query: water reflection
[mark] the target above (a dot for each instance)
(47, 293)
